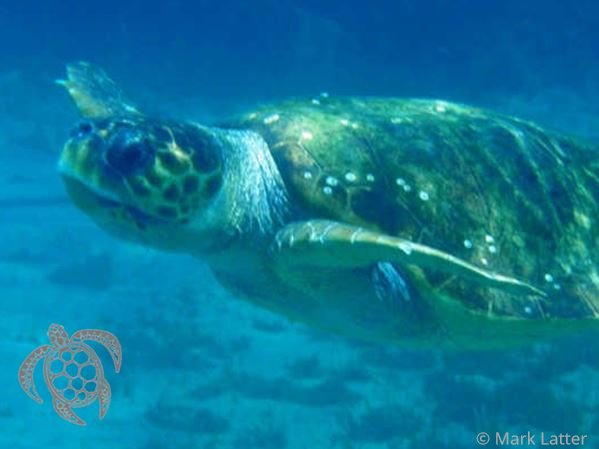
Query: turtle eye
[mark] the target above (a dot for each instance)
(128, 156)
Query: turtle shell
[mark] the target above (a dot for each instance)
(498, 192)
(72, 373)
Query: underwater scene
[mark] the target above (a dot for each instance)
(299, 224)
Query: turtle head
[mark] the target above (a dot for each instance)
(57, 335)
(142, 179)
(170, 185)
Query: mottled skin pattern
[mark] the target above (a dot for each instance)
(178, 178)
(445, 175)
(152, 206)
(496, 192)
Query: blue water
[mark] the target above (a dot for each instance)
(202, 369)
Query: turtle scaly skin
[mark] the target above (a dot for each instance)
(390, 220)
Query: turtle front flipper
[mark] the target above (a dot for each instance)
(106, 339)
(94, 93)
(26, 372)
(65, 411)
(323, 243)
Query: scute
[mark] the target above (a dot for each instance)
(442, 174)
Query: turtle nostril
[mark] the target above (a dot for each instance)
(85, 128)
(129, 158)
(82, 129)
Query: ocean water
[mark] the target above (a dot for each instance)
(202, 369)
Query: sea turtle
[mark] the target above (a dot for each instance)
(72, 370)
(381, 219)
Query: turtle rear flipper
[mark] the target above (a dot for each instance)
(94, 93)
(104, 394)
(65, 411)
(26, 372)
(322, 243)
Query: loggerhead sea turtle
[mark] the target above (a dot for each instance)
(381, 219)
(72, 371)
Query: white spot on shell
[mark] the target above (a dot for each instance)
(272, 119)
(332, 181)
(370, 177)
(484, 261)
(548, 278)
(557, 286)
(407, 188)
(327, 190)
(307, 175)
(307, 135)
(489, 238)
(400, 182)
(492, 249)
(440, 107)
(354, 125)
(423, 195)
(467, 244)
(344, 122)
(316, 101)
(350, 177)
(528, 310)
